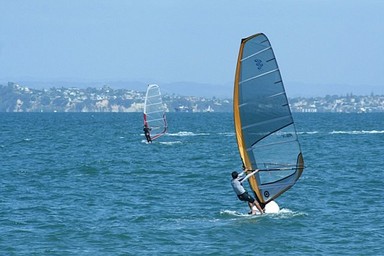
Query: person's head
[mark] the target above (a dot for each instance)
(235, 174)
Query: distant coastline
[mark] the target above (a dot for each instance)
(18, 98)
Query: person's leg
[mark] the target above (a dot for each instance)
(258, 206)
(253, 202)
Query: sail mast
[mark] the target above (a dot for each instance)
(237, 117)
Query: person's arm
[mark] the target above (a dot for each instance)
(249, 175)
(242, 173)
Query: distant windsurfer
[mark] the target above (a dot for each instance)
(242, 194)
(146, 130)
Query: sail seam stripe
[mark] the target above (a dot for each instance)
(256, 53)
(153, 96)
(154, 104)
(275, 143)
(157, 111)
(266, 122)
(254, 77)
(276, 94)
(154, 120)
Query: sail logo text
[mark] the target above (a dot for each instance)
(259, 63)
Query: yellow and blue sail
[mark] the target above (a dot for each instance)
(265, 130)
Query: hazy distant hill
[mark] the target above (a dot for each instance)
(20, 98)
(72, 97)
(178, 88)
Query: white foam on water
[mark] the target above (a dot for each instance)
(170, 142)
(183, 134)
(357, 132)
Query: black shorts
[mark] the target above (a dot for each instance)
(246, 197)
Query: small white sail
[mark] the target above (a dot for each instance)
(154, 112)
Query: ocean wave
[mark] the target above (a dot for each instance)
(25, 140)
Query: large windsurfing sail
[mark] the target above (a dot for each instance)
(265, 130)
(154, 112)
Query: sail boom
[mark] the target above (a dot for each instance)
(278, 169)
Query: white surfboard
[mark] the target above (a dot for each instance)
(271, 207)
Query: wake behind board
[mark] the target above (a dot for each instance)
(271, 207)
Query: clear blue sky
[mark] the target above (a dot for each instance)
(322, 47)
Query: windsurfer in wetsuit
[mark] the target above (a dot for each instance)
(146, 130)
(242, 194)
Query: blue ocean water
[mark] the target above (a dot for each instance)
(88, 184)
